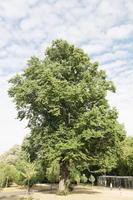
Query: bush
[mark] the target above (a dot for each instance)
(83, 179)
(92, 179)
(27, 198)
(63, 192)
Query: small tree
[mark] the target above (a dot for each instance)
(92, 179)
(29, 174)
(83, 178)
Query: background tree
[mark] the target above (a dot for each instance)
(124, 163)
(8, 171)
(63, 97)
(11, 156)
(8, 174)
(16, 168)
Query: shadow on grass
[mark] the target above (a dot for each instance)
(46, 189)
(84, 191)
(77, 190)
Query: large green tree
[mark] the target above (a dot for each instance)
(63, 97)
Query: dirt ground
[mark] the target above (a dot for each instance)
(89, 193)
(79, 193)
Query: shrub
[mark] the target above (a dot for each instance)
(63, 192)
(83, 179)
(27, 198)
(92, 179)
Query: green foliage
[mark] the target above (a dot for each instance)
(8, 174)
(124, 165)
(63, 97)
(53, 173)
(41, 173)
(92, 179)
(77, 178)
(16, 168)
(74, 174)
(83, 179)
(63, 192)
(27, 173)
(8, 170)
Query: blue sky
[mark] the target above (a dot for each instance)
(103, 28)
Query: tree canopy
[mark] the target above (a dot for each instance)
(63, 97)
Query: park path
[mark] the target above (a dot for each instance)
(6, 195)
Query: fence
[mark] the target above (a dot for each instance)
(116, 181)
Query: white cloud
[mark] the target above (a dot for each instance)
(8, 9)
(15, 9)
(129, 7)
(120, 32)
(23, 51)
(114, 67)
(108, 57)
(94, 48)
(4, 37)
(123, 46)
(3, 53)
(15, 57)
(11, 63)
(41, 17)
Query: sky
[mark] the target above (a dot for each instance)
(103, 28)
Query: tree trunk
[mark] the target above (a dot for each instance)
(2, 182)
(28, 187)
(7, 180)
(63, 176)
